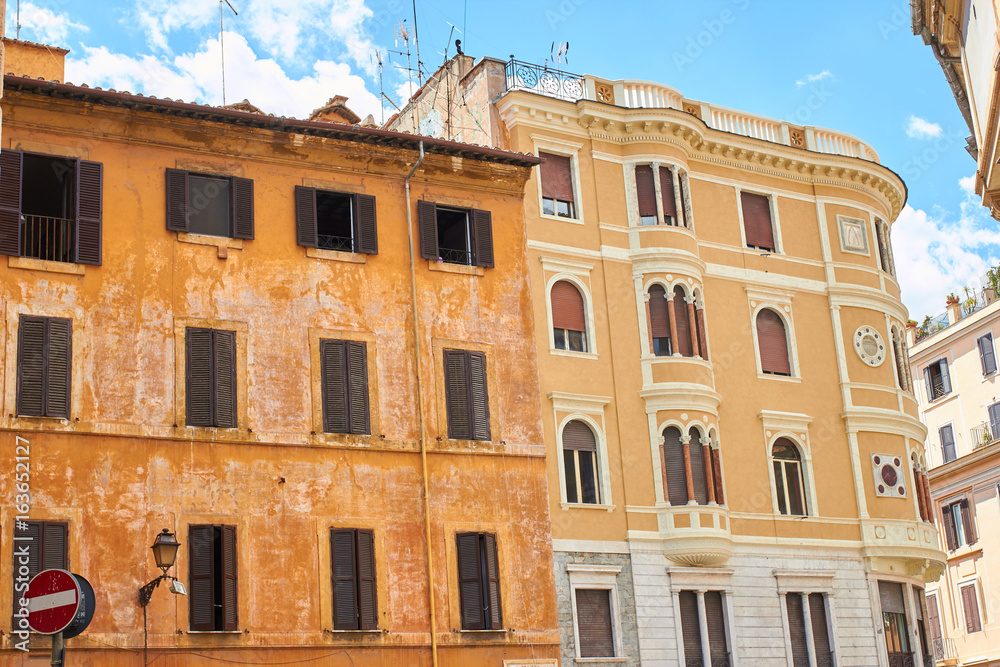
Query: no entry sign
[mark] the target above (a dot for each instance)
(53, 600)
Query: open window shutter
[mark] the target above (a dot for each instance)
(177, 200)
(242, 208)
(967, 525)
(31, 366)
(989, 356)
(225, 378)
(556, 175)
(479, 396)
(357, 382)
(593, 619)
(493, 580)
(933, 616)
(945, 376)
(198, 394)
(577, 435)
(202, 581)
(345, 615)
(720, 494)
(483, 222)
(364, 207)
(427, 220)
(821, 631)
(683, 343)
(797, 630)
(229, 578)
(772, 343)
(567, 307)
(59, 367)
(305, 217)
(994, 413)
(667, 194)
(757, 220)
(645, 190)
(334, 377)
(55, 551)
(929, 384)
(690, 627)
(470, 582)
(457, 395)
(715, 617)
(89, 184)
(367, 599)
(10, 202)
(948, 521)
(673, 454)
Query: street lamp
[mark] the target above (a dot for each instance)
(164, 548)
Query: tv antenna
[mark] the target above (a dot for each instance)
(557, 53)
(402, 33)
(18, 19)
(381, 91)
(222, 46)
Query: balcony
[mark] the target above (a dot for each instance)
(982, 435)
(634, 94)
(50, 239)
(944, 649)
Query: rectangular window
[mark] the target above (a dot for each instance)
(817, 627)
(987, 358)
(50, 207)
(970, 609)
(645, 189)
(211, 205)
(44, 366)
(958, 527)
(345, 386)
(594, 623)
(210, 397)
(352, 563)
(947, 438)
(897, 636)
(557, 185)
(37, 546)
(993, 410)
(213, 582)
(335, 221)
(479, 581)
(581, 476)
(455, 235)
(937, 379)
(714, 624)
(757, 225)
(667, 197)
(468, 401)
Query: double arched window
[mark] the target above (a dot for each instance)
(676, 323)
(772, 343)
(580, 463)
(692, 469)
(789, 480)
(671, 207)
(569, 317)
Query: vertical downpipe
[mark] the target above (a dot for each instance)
(420, 409)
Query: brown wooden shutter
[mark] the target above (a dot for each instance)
(177, 200)
(557, 182)
(967, 525)
(772, 343)
(567, 307)
(457, 395)
(645, 190)
(757, 221)
(59, 367)
(690, 627)
(333, 354)
(698, 469)
(202, 577)
(720, 494)
(933, 616)
(479, 396)
(367, 598)
(224, 343)
(345, 615)
(683, 344)
(306, 232)
(31, 366)
(797, 630)
(577, 435)
(891, 597)
(89, 184)
(482, 222)
(716, 619)
(367, 229)
(199, 377)
(948, 520)
(659, 319)
(470, 582)
(593, 619)
(673, 454)
(242, 208)
(357, 383)
(427, 220)
(229, 579)
(10, 202)
(821, 632)
(971, 606)
(667, 195)
(492, 580)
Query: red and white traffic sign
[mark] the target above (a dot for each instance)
(53, 599)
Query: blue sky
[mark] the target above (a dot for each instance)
(853, 66)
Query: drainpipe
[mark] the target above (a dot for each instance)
(420, 410)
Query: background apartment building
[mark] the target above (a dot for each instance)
(214, 324)
(734, 451)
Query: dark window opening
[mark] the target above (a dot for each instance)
(352, 563)
(335, 221)
(938, 380)
(661, 347)
(479, 581)
(48, 203)
(213, 586)
(454, 236)
(208, 205)
(788, 479)
(567, 339)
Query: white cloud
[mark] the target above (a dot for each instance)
(968, 185)
(813, 78)
(41, 24)
(918, 128)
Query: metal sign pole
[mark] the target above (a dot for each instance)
(58, 650)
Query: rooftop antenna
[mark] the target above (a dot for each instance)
(18, 19)
(403, 33)
(381, 91)
(222, 46)
(557, 53)
(416, 42)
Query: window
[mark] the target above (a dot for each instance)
(918, 612)
(645, 189)
(987, 358)
(335, 221)
(789, 483)
(938, 380)
(479, 581)
(44, 366)
(682, 317)
(674, 470)
(934, 618)
(345, 386)
(800, 627)
(713, 622)
(659, 321)
(468, 402)
(757, 225)
(210, 396)
(947, 438)
(353, 573)
(993, 410)
(580, 463)
(668, 197)
(594, 623)
(645, 186)
(210, 205)
(37, 545)
(884, 247)
(685, 457)
(958, 527)
(897, 637)
(50, 207)
(213, 582)
(455, 235)
(557, 185)
(569, 328)
(772, 343)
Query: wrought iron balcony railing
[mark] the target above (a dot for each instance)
(544, 80)
(51, 239)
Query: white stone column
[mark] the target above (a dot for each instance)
(810, 640)
(706, 650)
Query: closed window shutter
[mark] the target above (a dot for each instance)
(31, 366)
(367, 229)
(690, 628)
(457, 395)
(994, 413)
(821, 631)
(683, 343)
(891, 597)
(357, 382)
(89, 177)
(667, 194)
(673, 454)
(577, 435)
(933, 616)
(716, 618)
(470, 582)
(229, 578)
(971, 606)
(479, 396)
(947, 443)
(367, 598)
(567, 307)
(757, 221)
(645, 190)
(772, 343)
(593, 619)
(225, 378)
(334, 377)
(306, 232)
(989, 355)
(556, 177)
(797, 630)
(58, 371)
(345, 616)
(202, 577)
(427, 221)
(492, 580)
(177, 200)
(55, 554)
(948, 521)
(967, 525)
(483, 231)
(659, 319)
(199, 372)
(698, 469)
(242, 208)
(10, 202)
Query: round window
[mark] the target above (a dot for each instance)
(869, 346)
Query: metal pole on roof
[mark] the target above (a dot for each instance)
(222, 45)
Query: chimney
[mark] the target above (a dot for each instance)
(37, 61)
(954, 309)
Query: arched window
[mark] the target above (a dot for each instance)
(772, 343)
(659, 321)
(789, 483)
(698, 468)
(580, 463)
(674, 470)
(683, 323)
(569, 328)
